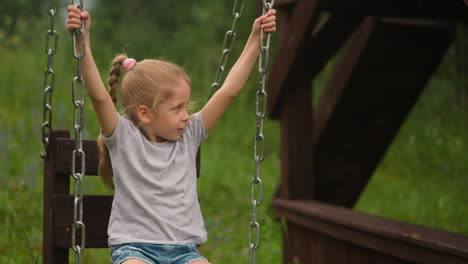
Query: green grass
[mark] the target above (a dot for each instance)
(422, 178)
(227, 169)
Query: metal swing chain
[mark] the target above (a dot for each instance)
(228, 43)
(256, 190)
(49, 77)
(78, 153)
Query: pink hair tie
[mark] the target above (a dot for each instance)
(128, 64)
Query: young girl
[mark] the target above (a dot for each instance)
(156, 216)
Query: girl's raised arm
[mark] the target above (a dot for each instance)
(102, 103)
(237, 77)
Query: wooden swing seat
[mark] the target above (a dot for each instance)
(58, 200)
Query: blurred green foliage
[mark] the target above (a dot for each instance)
(18, 14)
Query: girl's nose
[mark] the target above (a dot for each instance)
(186, 116)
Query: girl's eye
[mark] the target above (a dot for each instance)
(180, 107)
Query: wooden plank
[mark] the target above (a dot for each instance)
(379, 78)
(404, 241)
(65, 147)
(284, 19)
(96, 213)
(319, 46)
(284, 3)
(426, 9)
(326, 40)
(309, 246)
(336, 87)
(303, 19)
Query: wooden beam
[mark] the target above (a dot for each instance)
(284, 19)
(326, 40)
(373, 88)
(319, 46)
(422, 9)
(406, 242)
(425, 9)
(337, 84)
(296, 142)
(284, 3)
(302, 21)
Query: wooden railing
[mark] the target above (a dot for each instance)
(319, 233)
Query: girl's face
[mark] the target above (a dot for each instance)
(170, 118)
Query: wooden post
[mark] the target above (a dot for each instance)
(296, 142)
(54, 183)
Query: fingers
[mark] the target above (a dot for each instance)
(72, 8)
(73, 23)
(85, 15)
(269, 21)
(269, 27)
(271, 12)
(74, 18)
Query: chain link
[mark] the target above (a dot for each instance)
(228, 43)
(78, 87)
(49, 77)
(256, 189)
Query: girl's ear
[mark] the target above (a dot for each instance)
(144, 114)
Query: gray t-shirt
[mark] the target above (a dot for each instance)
(155, 198)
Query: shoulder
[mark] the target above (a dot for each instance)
(196, 128)
(123, 129)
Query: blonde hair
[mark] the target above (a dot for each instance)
(147, 83)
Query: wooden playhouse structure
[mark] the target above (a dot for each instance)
(388, 51)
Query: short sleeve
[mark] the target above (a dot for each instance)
(196, 128)
(123, 127)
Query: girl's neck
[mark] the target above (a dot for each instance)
(150, 137)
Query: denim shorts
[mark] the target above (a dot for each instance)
(155, 254)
